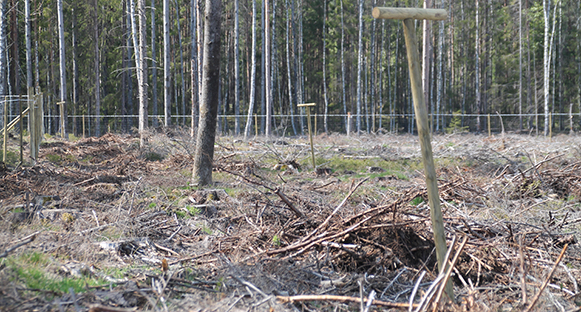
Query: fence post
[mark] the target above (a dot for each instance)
(83, 126)
(489, 133)
(348, 123)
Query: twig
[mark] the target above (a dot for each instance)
(448, 273)
(194, 257)
(301, 298)
(415, 290)
(522, 270)
(538, 295)
(100, 308)
(26, 240)
(322, 225)
(370, 301)
(288, 203)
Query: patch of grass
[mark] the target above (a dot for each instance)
(193, 210)
(33, 269)
(54, 158)
(153, 156)
(416, 201)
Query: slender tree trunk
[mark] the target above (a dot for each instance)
(183, 82)
(439, 97)
(153, 66)
(3, 48)
(194, 68)
(75, 94)
(166, 65)
(359, 66)
(325, 65)
(288, 69)
(200, 51)
(29, 46)
(97, 71)
(381, 57)
(426, 64)
(477, 72)
(252, 75)
(343, 93)
(267, 65)
(272, 54)
(203, 158)
(141, 69)
(520, 65)
(63, 79)
(236, 71)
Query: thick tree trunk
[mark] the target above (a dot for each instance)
(166, 65)
(203, 158)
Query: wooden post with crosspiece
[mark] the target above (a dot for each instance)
(408, 15)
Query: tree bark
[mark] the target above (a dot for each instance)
(477, 73)
(359, 66)
(153, 66)
(236, 71)
(166, 65)
(97, 71)
(252, 75)
(324, 66)
(142, 72)
(3, 47)
(288, 69)
(203, 158)
(194, 69)
(268, 126)
(426, 54)
(63, 72)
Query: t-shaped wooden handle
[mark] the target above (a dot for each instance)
(413, 13)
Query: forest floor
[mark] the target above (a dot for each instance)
(101, 224)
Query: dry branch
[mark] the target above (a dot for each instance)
(300, 298)
(538, 295)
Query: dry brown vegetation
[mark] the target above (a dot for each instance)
(102, 223)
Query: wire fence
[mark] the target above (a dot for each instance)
(289, 125)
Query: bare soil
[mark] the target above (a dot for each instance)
(272, 229)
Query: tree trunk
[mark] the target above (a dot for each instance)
(3, 47)
(439, 96)
(267, 64)
(166, 66)
(324, 67)
(359, 66)
(142, 72)
(183, 82)
(345, 121)
(520, 65)
(75, 94)
(194, 69)
(288, 69)
(252, 75)
(236, 71)
(203, 158)
(63, 71)
(97, 71)
(477, 72)
(153, 66)
(29, 46)
(426, 56)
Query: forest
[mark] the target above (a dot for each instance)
(515, 58)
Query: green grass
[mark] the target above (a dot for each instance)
(33, 269)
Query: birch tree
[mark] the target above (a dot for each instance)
(63, 71)
(252, 74)
(203, 158)
(194, 67)
(477, 73)
(288, 68)
(28, 47)
(267, 71)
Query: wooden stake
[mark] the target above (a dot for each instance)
(426, 147)
(83, 126)
(255, 125)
